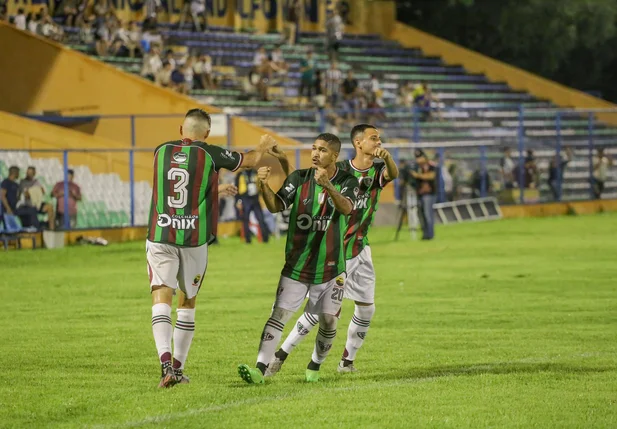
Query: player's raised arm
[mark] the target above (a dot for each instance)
(344, 200)
(273, 202)
(279, 154)
(252, 158)
(391, 171)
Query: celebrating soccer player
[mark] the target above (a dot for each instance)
(182, 223)
(321, 197)
(373, 166)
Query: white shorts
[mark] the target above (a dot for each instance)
(177, 267)
(324, 298)
(360, 285)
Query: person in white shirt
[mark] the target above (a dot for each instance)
(601, 164)
(152, 63)
(34, 24)
(333, 84)
(163, 77)
(198, 10)
(202, 69)
(20, 20)
(260, 56)
(507, 169)
(334, 34)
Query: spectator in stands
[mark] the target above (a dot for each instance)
(307, 68)
(20, 19)
(294, 11)
(32, 197)
(163, 77)
(248, 201)
(556, 169)
(85, 31)
(260, 56)
(531, 171)
(34, 24)
(203, 72)
(320, 91)
(189, 75)
(178, 80)
(198, 12)
(278, 63)
(350, 96)
(333, 84)
(152, 63)
(100, 9)
(169, 57)
(507, 169)
(405, 98)
(51, 30)
(9, 191)
(373, 87)
(134, 39)
(422, 97)
(67, 10)
(334, 34)
(74, 196)
(424, 174)
(601, 164)
(102, 37)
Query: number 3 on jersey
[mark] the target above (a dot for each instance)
(179, 200)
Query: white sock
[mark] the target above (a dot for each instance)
(183, 335)
(325, 337)
(304, 325)
(272, 333)
(162, 330)
(358, 328)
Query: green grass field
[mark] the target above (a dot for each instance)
(504, 324)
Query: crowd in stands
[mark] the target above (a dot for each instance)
(26, 200)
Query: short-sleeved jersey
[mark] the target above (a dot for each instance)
(184, 208)
(314, 252)
(371, 182)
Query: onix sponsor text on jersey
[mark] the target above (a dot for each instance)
(176, 222)
(317, 223)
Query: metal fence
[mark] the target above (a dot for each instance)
(116, 183)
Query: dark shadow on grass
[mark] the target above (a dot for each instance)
(496, 368)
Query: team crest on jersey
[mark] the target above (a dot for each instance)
(340, 281)
(366, 182)
(196, 280)
(323, 197)
(180, 157)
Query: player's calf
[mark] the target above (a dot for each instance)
(358, 328)
(323, 344)
(304, 325)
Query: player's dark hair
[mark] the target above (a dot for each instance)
(13, 169)
(31, 167)
(199, 114)
(332, 140)
(360, 129)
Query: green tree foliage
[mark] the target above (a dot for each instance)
(571, 41)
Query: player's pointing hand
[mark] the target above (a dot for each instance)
(263, 174)
(381, 153)
(321, 176)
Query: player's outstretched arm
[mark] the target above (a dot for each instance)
(278, 153)
(342, 203)
(252, 158)
(391, 172)
(273, 202)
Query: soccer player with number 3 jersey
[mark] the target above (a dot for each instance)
(374, 167)
(321, 198)
(183, 218)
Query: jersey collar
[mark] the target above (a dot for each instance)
(357, 169)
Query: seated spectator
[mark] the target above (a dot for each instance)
(278, 62)
(350, 96)
(51, 30)
(134, 39)
(9, 191)
(202, 70)
(34, 24)
(102, 37)
(260, 56)
(74, 196)
(373, 87)
(85, 31)
(163, 76)
(178, 80)
(152, 63)
(32, 193)
(100, 8)
(187, 69)
(169, 57)
(68, 11)
(20, 19)
(405, 98)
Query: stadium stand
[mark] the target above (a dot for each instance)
(468, 106)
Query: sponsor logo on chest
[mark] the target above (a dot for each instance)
(176, 222)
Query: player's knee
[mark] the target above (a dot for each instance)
(365, 311)
(328, 321)
(188, 303)
(281, 314)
